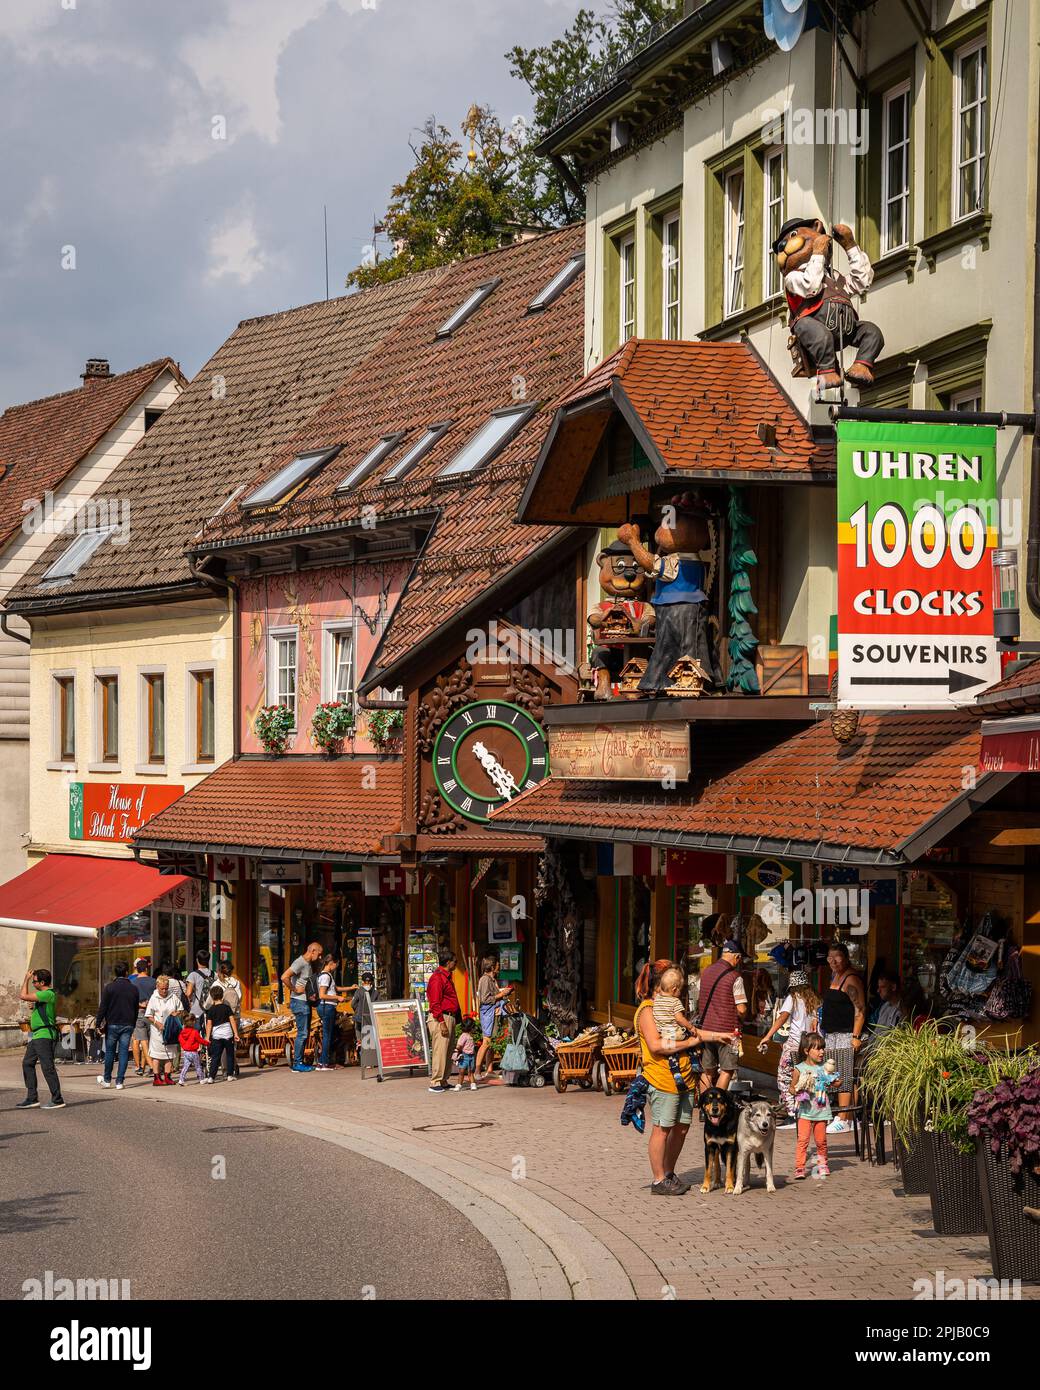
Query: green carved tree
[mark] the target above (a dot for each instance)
(742, 640)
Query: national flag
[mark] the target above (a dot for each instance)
(281, 871)
(757, 876)
(623, 861)
(685, 867)
(228, 868)
(335, 877)
(385, 881)
(646, 860)
(838, 875)
(882, 887)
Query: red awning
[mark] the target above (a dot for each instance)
(76, 895)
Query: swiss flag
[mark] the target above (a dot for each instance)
(385, 881)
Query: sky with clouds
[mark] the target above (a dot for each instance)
(131, 233)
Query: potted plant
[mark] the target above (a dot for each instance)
(897, 1082)
(1005, 1120)
(332, 723)
(272, 725)
(385, 726)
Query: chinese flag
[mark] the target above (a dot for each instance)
(687, 866)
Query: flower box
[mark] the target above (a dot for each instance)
(953, 1187)
(1014, 1240)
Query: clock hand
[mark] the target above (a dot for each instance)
(502, 779)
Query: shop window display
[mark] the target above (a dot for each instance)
(633, 935)
(930, 925)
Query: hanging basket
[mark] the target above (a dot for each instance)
(844, 722)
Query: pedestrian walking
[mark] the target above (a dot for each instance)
(196, 986)
(190, 1042)
(233, 994)
(43, 1035)
(490, 1005)
(444, 1009)
(221, 1034)
(797, 1014)
(465, 1054)
(328, 1002)
(143, 981)
(810, 1084)
(303, 993)
(117, 1017)
(163, 1006)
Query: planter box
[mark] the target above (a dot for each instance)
(953, 1187)
(912, 1165)
(1014, 1241)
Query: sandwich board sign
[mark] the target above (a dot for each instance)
(917, 524)
(393, 1038)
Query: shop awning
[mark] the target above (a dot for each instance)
(77, 895)
(290, 807)
(881, 800)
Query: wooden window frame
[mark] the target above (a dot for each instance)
(148, 726)
(104, 682)
(63, 706)
(199, 678)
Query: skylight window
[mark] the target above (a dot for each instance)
(466, 308)
(371, 461)
(492, 436)
(76, 556)
(283, 482)
(419, 449)
(558, 283)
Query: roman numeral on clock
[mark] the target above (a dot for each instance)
(467, 718)
(467, 805)
(450, 785)
(492, 711)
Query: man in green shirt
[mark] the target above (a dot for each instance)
(43, 1031)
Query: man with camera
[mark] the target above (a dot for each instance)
(43, 1031)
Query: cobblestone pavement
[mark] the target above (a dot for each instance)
(563, 1191)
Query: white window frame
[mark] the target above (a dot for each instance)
(981, 159)
(736, 224)
(771, 278)
(670, 220)
(331, 631)
(960, 399)
(274, 636)
(144, 767)
(57, 763)
(97, 721)
(901, 92)
(626, 279)
(515, 417)
(191, 732)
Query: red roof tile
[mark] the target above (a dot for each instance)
(807, 794)
(317, 806)
(1018, 693)
(42, 441)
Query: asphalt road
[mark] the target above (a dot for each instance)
(118, 1188)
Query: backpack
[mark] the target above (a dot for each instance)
(200, 992)
(171, 1030)
(230, 998)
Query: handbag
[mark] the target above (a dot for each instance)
(1012, 995)
(514, 1058)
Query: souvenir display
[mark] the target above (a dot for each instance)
(621, 613)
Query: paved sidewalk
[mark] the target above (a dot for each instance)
(563, 1191)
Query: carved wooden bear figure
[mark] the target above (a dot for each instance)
(679, 571)
(621, 612)
(823, 316)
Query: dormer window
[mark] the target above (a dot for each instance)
(276, 489)
(467, 308)
(558, 283)
(76, 556)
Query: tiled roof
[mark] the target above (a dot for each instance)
(42, 441)
(809, 796)
(239, 410)
(331, 807)
(499, 357)
(1018, 693)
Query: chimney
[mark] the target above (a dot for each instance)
(97, 369)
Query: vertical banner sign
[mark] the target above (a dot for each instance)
(917, 521)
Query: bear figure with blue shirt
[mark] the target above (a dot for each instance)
(679, 570)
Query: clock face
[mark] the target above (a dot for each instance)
(486, 754)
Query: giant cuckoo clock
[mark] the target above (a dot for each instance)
(481, 739)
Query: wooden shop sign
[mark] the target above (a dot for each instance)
(625, 752)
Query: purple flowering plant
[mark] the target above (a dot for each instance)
(1008, 1115)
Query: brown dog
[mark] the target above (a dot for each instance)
(720, 1113)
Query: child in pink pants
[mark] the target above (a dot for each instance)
(809, 1086)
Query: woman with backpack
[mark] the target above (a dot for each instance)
(162, 1013)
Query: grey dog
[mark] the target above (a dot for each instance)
(756, 1130)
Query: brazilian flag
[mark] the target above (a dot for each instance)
(757, 876)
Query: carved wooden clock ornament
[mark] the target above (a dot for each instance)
(485, 754)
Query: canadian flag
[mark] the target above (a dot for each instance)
(227, 868)
(386, 880)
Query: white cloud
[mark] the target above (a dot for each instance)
(234, 249)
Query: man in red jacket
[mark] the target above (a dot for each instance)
(444, 1011)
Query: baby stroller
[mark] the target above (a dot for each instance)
(528, 1038)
